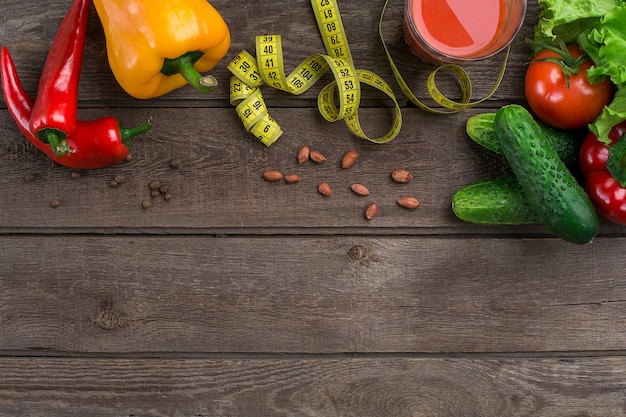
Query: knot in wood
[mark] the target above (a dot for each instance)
(109, 320)
(358, 252)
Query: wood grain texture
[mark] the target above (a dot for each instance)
(402, 387)
(219, 183)
(242, 298)
(29, 31)
(310, 295)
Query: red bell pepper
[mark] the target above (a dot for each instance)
(604, 168)
(92, 144)
(54, 112)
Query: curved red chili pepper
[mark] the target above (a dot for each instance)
(604, 168)
(93, 144)
(54, 112)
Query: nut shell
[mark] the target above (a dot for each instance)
(292, 178)
(408, 201)
(349, 158)
(401, 176)
(360, 189)
(371, 211)
(303, 155)
(317, 157)
(272, 175)
(324, 189)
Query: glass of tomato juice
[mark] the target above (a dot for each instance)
(461, 31)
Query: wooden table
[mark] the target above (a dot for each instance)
(240, 297)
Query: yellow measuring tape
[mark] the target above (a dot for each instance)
(250, 73)
(450, 106)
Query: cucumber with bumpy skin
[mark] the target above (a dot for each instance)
(551, 189)
(500, 201)
(480, 129)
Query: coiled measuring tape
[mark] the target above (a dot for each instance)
(250, 73)
(449, 106)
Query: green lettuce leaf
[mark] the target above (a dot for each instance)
(611, 115)
(606, 45)
(565, 19)
(599, 27)
(607, 48)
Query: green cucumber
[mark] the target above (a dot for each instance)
(500, 201)
(480, 129)
(551, 189)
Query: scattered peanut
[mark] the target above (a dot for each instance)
(401, 176)
(272, 175)
(360, 189)
(408, 201)
(324, 189)
(371, 211)
(317, 157)
(303, 155)
(292, 178)
(349, 158)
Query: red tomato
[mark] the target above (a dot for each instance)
(557, 105)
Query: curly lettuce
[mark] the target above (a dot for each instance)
(565, 19)
(599, 27)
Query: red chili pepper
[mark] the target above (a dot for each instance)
(54, 112)
(93, 144)
(604, 168)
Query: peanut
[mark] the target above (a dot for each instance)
(408, 201)
(324, 189)
(360, 189)
(371, 211)
(317, 157)
(349, 158)
(401, 176)
(292, 178)
(303, 155)
(272, 175)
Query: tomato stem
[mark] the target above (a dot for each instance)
(568, 64)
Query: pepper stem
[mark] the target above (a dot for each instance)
(616, 163)
(126, 133)
(56, 139)
(183, 65)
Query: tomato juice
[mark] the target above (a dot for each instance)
(461, 30)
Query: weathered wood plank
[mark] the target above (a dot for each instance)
(28, 31)
(242, 298)
(210, 189)
(401, 387)
(219, 183)
(310, 295)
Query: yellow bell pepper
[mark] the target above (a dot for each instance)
(156, 46)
